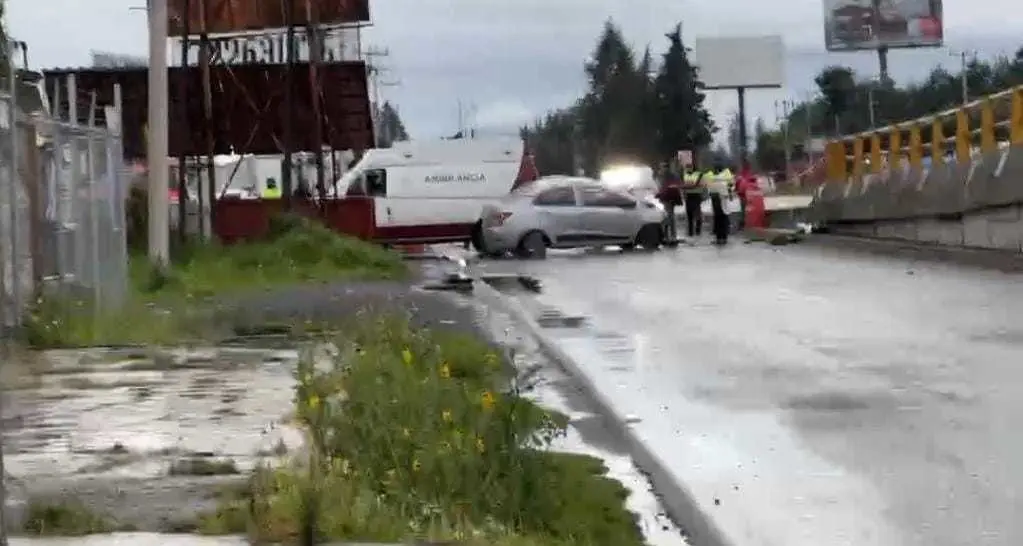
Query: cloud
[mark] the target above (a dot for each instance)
(504, 114)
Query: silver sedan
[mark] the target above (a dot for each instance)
(568, 212)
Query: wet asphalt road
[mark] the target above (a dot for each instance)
(809, 395)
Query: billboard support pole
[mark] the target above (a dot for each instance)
(315, 41)
(289, 107)
(183, 101)
(157, 147)
(882, 61)
(743, 138)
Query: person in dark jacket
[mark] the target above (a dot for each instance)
(670, 195)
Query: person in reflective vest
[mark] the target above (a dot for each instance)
(719, 188)
(694, 191)
(272, 191)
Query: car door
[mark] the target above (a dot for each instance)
(607, 216)
(557, 214)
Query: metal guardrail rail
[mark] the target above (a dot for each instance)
(982, 126)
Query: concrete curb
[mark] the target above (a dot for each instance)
(1002, 260)
(682, 508)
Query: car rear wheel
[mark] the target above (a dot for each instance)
(532, 246)
(649, 237)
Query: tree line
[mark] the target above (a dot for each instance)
(635, 109)
(843, 103)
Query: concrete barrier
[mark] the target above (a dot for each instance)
(971, 204)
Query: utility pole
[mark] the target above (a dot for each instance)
(157, 149)
(964, 66)
(374, 71)
(784, 108)
(870, 105)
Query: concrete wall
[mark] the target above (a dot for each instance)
(979, 204)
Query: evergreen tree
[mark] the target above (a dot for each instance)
(391, 128)
(683, 121)
(609, 124)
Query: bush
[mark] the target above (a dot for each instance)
(416, 434)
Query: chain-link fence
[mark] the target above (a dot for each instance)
(62, 228)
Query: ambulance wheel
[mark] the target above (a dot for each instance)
(477, 238)
(649, 237)
(532, 246)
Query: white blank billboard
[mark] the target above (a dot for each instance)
(743, 61)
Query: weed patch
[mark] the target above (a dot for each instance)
(67, 518)
(168, 305)
(422, 435)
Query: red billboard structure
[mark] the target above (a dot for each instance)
(243, 105)
(247, 103)
(226, 16)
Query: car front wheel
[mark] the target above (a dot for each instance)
(650, 237)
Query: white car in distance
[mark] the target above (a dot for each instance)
(568, 212)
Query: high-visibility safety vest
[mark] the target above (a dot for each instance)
(693, 182)
(721, 181)
(271, 193)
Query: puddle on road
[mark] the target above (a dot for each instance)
(107, 425)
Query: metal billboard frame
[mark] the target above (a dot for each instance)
(228, 16)
(247, 101)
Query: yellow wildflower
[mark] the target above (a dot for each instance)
(487, 400)
(416, 465)
(445, 371)
(480, 446)
(406, 356)
(446, 416)
(314, 401)
(406, 433)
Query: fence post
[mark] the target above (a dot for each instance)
(895, 148)
(875, 153)
(14, 231)
(90, 159)
(857, 167)
(916, 153)
(937, 142)
(33, 185)
(963, 138)
(987, 126)
(1016, 130)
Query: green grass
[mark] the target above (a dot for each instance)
(415, 436)
(64, 519)
(169, 306)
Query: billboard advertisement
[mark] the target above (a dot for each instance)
(851, 25)
(762, 59)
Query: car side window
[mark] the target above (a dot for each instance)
(561, 196)
(595, 196)
(376, 183)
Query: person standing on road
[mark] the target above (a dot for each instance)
(693, 193)
(743, 183)
(670, 195)
(719, 189)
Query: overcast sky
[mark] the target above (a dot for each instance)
(514, 60)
